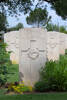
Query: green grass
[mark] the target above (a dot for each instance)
(2, 91)
(50, 96)
(13, 75)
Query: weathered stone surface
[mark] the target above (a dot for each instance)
(32, 54)
(65, 41)
(62, 43)
(31, 47)
(12, 40)
(53, 45)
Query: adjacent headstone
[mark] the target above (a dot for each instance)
(12, 40)
(32, 54)
(62, 43)
(65, 41)
(53, 45)
(31, 47)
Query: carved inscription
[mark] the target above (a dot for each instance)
(32, 54)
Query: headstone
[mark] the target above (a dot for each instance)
(32, 54)
(12, 40)
(62, 43)
(53, 45)
(31, 47)
(65, 41)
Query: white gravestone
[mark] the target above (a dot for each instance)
(12, 40)
(62, 43)
(65, 41)
(53, 45)
(32, 54)
(31, 48)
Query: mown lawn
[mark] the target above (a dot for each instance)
(13, 75)
(50, 96)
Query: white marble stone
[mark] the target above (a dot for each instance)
(52, 45)
(32, 54)
(62, 43)
(12, 40)
(31, 47)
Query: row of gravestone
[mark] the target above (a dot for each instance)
(31, 47)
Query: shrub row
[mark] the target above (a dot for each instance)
(53, 76)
